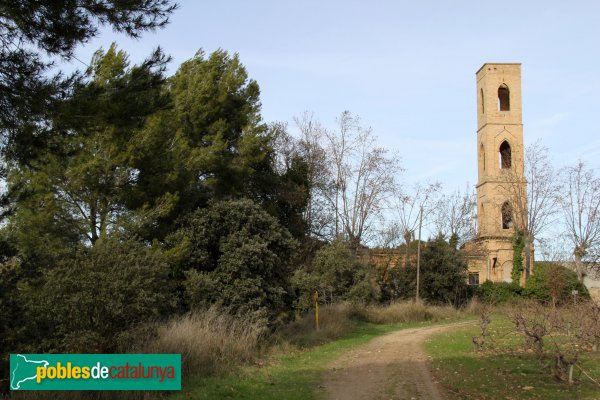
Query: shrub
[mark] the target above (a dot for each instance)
(337, 275)
(89, 303)
(498, 292)
(236, 255)
(553, 283)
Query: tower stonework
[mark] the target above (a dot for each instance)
(501, 187)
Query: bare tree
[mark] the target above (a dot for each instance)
(387, 239)
(533, 199)
(555, 247)
(542, 189)
(580, 201)
(364, 177)
(454, 214)
(319, 214)
(408, 208)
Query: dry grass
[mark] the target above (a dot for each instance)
(334, 322)
(209, 341)
(407, 311)
(339, 319)
(476, 307)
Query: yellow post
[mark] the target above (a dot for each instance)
(317, 308)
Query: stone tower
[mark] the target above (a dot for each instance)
(501, 187)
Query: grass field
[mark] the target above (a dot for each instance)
(503, 374)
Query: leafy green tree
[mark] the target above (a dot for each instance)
(289, 177)
(32, 32)
(443, 273)
(93, 301)
(337, 275)
(400, 282)
(235, 254)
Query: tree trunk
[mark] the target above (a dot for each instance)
(407, 236)
(527, 256)
(579, 266)
(93, 221)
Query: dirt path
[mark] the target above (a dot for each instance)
(392, 366)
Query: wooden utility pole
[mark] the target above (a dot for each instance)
(317, 308)
(419, 253)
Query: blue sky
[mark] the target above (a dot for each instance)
(407, 68)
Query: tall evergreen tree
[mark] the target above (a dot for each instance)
(214, 145)
(80, 190)
(32, 33)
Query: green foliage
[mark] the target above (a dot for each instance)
(12, 319)
(236, 255)
(498, 292)
(400, 283)
(216, 115)
(213, 145)
(553, 283)
(549, 283)
(518, 246)
(92, 302)
(82, 190)
(443, 273)
(32, 30)
(337, 275)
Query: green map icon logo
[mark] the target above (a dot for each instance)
(23, 370)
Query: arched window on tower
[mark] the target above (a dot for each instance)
(507, 215)
(505, 155)
(482, 102)
(482, 155)
(503, 98)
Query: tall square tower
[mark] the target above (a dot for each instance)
(501, 187)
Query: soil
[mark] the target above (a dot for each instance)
(392, 366)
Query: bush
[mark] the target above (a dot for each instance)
(337, 275)
(498, 292)
(553, 283)
(92, 302)
(236, 255)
